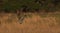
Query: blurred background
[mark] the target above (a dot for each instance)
(29, 5)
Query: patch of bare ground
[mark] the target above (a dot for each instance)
(33, 23)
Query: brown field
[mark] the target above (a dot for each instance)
(33, 23)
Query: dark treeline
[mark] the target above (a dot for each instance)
(29, 5)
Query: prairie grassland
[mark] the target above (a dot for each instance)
(32, 23)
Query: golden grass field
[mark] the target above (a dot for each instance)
(33, 23)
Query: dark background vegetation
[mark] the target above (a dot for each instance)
(29, 5)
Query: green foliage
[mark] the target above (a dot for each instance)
(16, 4)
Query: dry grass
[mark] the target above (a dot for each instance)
(33, 23)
